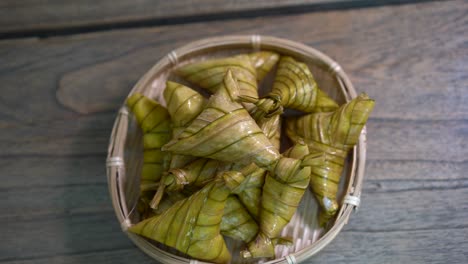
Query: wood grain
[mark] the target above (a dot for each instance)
(28, 172)
(50, 236)
(382, 64)
(30, 17)
(412, 246)
(60, 95)
(381, 212)
(417, 246)
(53, 14)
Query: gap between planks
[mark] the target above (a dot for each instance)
(52, 30)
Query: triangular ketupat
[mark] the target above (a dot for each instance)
(155, 123)
(209, 74)
(225, 131)
(183, 103)
(282, 193)
(192, 225)
(335, 134)
(296, 88)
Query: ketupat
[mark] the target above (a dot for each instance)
(296, 88)
(282, 193)
(335, 134)
(225, 131)
(183, 105)
(209, 74)
(192, 225)
(155, 123)
(237, 222)
(192, 177)
(248, 68)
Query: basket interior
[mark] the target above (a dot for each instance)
(303, 228)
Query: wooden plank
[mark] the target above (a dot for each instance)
(437, 190)
(78, 136)
(403, 170)
(434, 185)
(45, 237)
(376, 64)
(413, 246)
(387, 140)
(59, 171)
(43, 202)
(45, 66)
(413, 208)
(117, 256)
(416, 246)
(430, 203)
(417, 140)
(33, 17)
(430, 208)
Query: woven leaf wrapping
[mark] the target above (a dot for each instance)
(263, 62)
(334, 133)
(250, 190)
(248, 68)
(155, 123)
(225, 131)
(183, 105)
(190, 178)
(282, 193)
(196, 174)
(271, 127)
(295, 88)
(192, 225)
(237, 222)
(209, 74)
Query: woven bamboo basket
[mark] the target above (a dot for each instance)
(125, 149)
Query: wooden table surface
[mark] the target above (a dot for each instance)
(66, 67)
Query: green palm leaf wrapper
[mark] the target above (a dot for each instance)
(192, 225)
(183, 105)
(263, 62)
(237, 222)
(225, 131)
(282, 193)
(334, 133)
(249, 191)
(190, 178)
(294, 87)
(247, 68)
(155, 123)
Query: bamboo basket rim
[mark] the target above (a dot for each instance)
(115, 165)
